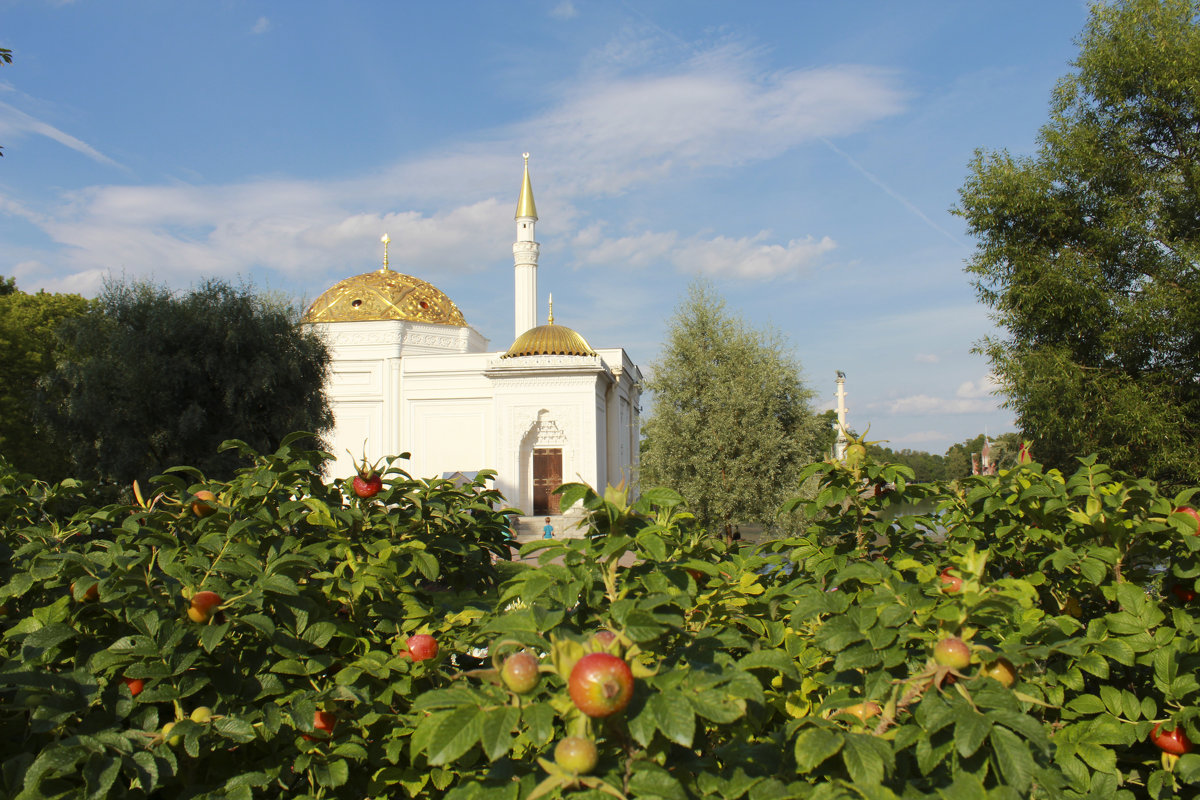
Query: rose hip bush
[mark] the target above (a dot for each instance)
(815, 666)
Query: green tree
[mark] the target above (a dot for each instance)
(731, 424)
(1088, 250)
(926, 466)
(150, 379)
(1003, 453)
(27, 350)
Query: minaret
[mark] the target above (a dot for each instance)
(839, 447)
(525, 258)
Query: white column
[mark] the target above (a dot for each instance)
(525, 258)
(839, 448)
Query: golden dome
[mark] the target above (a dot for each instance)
(549, 340)
(384, 294)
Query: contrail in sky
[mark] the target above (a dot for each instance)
(895, 195)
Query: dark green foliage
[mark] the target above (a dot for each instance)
(731, 424)
(1088, 250)
(748, 664)
(27, 351)
(319, 590)
(151, 379)
(925, 466)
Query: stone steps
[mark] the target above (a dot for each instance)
(529, 529)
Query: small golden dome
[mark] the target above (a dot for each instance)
(384, 294)
(549, 340)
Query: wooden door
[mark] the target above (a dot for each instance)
(547, 476)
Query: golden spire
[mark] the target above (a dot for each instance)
(385, 239)
(551, 320)
(525, 206)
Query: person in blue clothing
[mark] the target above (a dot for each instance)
(547, 530)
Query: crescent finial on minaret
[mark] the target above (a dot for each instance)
(525, 205)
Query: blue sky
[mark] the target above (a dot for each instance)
(803, 156)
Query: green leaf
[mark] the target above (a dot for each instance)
(674, 717)
(454, 734)
(211, 635)
(814, 745)
(650, 781)
(426, 564)
(712, 706)
(234, 728)
(770, 659)
(289, 666)
(49, 636)
(496, 731)
(1188, 768)
(970, 729)
(539, 718)
(1012, 755)
(1086, 704)
(867, 758)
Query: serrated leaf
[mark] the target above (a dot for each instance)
(970, 729)
(234, 728)
(1012, 755)
(674, 717)
(539, 719)
(650, 781)
(49, 636)
(211, 635)
(866, 758)
(455, 733)
(770, 659)
(814, 745)
(496, 731)
(1086, 704)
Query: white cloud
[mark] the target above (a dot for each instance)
(718, 111)
(564, 10)
(927, 404)
(262, 25)
(918, 437)
(184, 231)
(601, 137)
(748, 257)
(627, 251)
(984, 387)
(15, 123)
(926, 358)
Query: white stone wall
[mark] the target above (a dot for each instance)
(433, 391)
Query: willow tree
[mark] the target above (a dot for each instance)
(1089, 250)
(27, 352)
(731, 424)
(150, 378)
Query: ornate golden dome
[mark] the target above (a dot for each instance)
(384, 294)
(549, 340)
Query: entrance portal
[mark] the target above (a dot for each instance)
(547, 476)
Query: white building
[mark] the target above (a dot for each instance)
(410, 375)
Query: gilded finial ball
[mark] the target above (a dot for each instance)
(385, 238)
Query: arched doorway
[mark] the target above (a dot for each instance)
(544, 457)
(547, 476)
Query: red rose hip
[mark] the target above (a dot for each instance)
(1174, 742)
(422, 647)
(600, 685)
